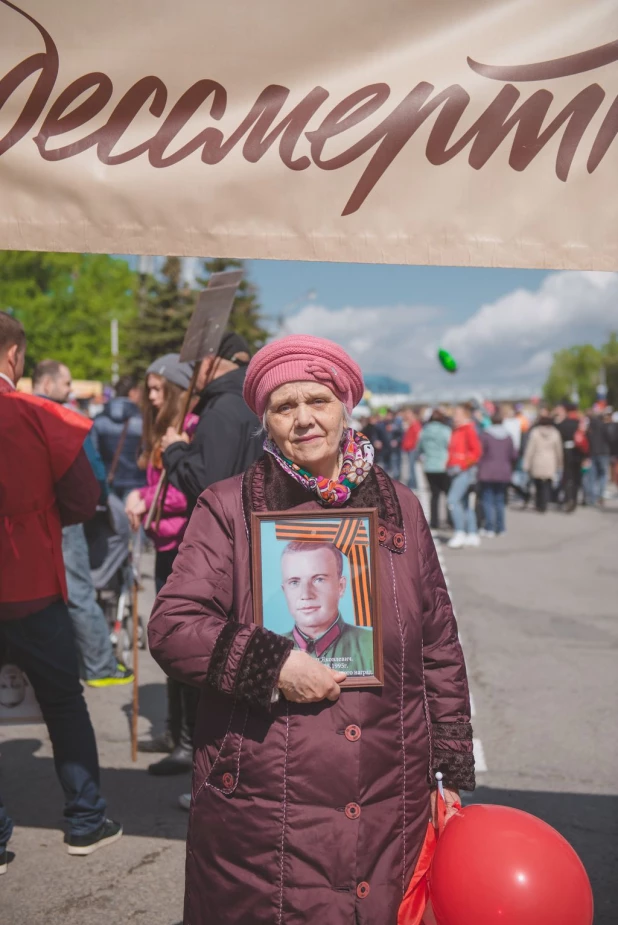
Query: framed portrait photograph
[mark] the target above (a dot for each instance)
(315, 582)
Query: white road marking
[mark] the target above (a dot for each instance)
(479, 756)
(480, 764)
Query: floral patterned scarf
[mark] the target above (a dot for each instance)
(357, 453)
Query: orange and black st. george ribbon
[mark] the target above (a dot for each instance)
(350, 536)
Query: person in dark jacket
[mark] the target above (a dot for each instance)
(98, 664)
(611, 428)
(600, 455)
(495, 470)
(310, 802)
(121, 419)
(568, 420)
(227, 438)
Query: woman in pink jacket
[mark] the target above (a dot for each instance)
(167, 380)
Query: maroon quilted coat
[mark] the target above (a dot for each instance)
(309, 814)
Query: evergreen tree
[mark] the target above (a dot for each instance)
(246, 317)
(166, 304)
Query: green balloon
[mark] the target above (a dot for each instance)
(448, 362)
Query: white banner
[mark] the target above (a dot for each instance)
(456, 132)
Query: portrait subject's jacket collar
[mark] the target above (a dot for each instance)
(321, 644)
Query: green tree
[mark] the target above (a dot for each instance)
(580, 368)
(246, 318)
(610, 362)
(165, 308)
(66, 303)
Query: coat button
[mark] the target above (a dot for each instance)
(362, 890)
(382, 534)
(352, 810)
(228, 780)
(352, 733)
(398, 540)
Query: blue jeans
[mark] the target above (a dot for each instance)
(94, 647)
(43, 646)
(595, 479)
(462, 512)
(493, 496)
(412, 457)
(394, 464)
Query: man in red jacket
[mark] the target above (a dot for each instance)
(464, 453)
(46, 482)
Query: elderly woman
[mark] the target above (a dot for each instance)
(310, 803)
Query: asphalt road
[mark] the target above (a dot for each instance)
(538, 617)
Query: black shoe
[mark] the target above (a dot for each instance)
(4, 859)
(85, 844)
(159, 744)
(179, 762)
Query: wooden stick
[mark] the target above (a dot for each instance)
(135, 713)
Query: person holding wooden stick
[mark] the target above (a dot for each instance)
(226, 440)
(167, 382)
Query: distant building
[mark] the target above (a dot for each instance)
(385, 385)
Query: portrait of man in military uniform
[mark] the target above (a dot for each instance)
(313, 583)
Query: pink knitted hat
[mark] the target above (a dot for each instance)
(302, 358)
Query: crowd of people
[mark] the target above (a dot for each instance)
(264, 434)
(478, 455)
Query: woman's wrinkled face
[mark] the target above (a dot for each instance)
(306, 421)
(154, 386)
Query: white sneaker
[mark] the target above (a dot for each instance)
(486, 533)
(184, 801)
(457, 541)
(473, 539)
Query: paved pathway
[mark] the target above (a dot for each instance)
(538, 616)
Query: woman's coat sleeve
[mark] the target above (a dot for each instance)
(446, 682)
(192, 631)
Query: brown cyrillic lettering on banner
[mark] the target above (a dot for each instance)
(493, 126)
(260, 118)
(568, 66)
(605, 136)
(267, 107)
(395, 131)
(47, 63)
(355, 108)
(124, 114)
(184, 109)
(58, 121)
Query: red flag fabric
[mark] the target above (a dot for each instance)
(415, 908)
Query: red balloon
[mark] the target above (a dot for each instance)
(495, 865)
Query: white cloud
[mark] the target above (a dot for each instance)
(389, 339)
(507, 343)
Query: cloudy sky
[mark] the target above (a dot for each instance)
(502, 326)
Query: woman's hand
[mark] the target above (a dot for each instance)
(452, 800)
(305, 680)
(135, 508)
(172, 436)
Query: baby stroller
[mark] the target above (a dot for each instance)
(113, 575)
